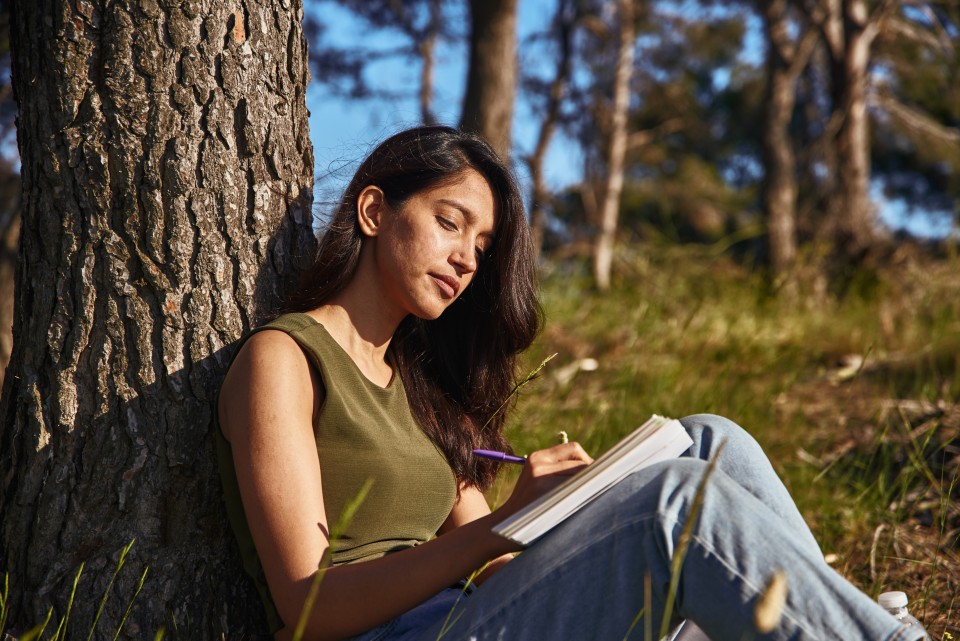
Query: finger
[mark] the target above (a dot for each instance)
(562, 452)
(541, 466)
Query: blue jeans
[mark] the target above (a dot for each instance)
(584, 580)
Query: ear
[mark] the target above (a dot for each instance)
(371, 204)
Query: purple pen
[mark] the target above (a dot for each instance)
(499, 456)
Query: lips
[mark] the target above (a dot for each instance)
(449, 285)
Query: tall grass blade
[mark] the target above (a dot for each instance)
(4, 599)
(684, 543)
(335, 533)
(37, 631)
(62, 627)
(106, 593)
(645, 608)
(534, 373)
(136, 593)
(447, 623)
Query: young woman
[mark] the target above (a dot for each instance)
(393, 356)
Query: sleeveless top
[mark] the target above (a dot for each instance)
(363, 431)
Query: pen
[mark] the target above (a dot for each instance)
(499, 456)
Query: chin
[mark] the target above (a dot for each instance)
(431, 312)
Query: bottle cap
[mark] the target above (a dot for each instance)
(892, 599)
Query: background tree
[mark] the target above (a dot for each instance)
(553, 93)
(421, 24)
(849, 28)
(693, 151)
(492, 72)
(617, 145)
(915, 150)
(790, 41)
(167, 174)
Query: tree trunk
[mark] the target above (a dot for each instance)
(853, 139)
(786, 57)
(427, 48)
(610, 208)
(563, 25)
(492, 77)
(850, 33)
(167, 175)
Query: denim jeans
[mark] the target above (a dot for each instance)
(584, 580)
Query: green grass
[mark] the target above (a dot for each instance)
(684, 331)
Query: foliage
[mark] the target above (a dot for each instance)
(916, 149)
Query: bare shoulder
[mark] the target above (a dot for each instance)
(270, 373)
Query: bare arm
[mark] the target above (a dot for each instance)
(469, 507)
(266, 408)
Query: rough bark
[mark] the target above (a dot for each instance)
(786, 57)
(563, 25)
(161, 145)
(492, 76)
(610, 207)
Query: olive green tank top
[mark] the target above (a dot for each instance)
(363, 431)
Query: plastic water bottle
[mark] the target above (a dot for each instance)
(896, 604)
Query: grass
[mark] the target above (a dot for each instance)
(856, 399)
(60, 633)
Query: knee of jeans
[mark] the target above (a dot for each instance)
(679, 484)
(709, 431)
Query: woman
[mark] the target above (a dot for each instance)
(396, 351)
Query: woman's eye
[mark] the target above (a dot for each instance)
(447, 224)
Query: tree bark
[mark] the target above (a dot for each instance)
(786, 57)
(492, 76)
(610, 207)
(167, 174)
(849, 32)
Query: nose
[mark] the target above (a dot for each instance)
(464, 258)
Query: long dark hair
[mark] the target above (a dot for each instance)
(459, 369)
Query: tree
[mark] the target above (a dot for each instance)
(167, 174)
(849, 28)
(915, 107)
(617, 150)
(492, 74)
(787, 55)
(423, 24)
(554, 90)
(690, 169)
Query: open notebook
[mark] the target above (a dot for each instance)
(656, 440)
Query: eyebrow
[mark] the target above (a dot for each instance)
(467, 213)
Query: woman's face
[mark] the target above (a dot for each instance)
(428, 250)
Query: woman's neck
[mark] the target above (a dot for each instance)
(360, 328)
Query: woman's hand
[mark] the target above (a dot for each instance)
(544, 470)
